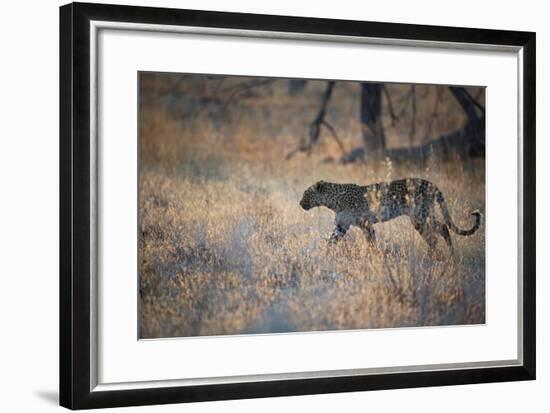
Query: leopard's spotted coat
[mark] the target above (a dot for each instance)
(364, 206)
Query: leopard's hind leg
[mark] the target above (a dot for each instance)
(443, 230)
(429, 235)
(425, 228)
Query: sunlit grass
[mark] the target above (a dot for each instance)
(226, 249)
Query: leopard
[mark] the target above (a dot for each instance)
(363, 206)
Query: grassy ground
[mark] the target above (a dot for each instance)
(225, 248)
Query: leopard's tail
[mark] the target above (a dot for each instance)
(449, 221)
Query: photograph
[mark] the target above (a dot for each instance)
(273, 202)
(272, 205)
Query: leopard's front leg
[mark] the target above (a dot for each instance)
(337, 234)
(342, 226)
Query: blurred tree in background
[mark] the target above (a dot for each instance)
(424, 119)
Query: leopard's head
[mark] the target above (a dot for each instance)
(314, 196)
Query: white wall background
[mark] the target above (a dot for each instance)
(29, 205)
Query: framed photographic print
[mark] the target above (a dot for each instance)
(258, 205)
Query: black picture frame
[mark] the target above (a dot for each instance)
(75, 219)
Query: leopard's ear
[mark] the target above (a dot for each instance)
(319, 186)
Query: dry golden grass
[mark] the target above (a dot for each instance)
(226, 249)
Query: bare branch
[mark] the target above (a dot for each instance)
(301, 148)
(465, 101)
(412, 131)
(438, 99)
(406, 102)
(315, 126)
(475, 101)
(245, 87)
(334, 135)
(390, 105)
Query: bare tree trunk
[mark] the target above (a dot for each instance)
(374, 139)
(467, 142)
